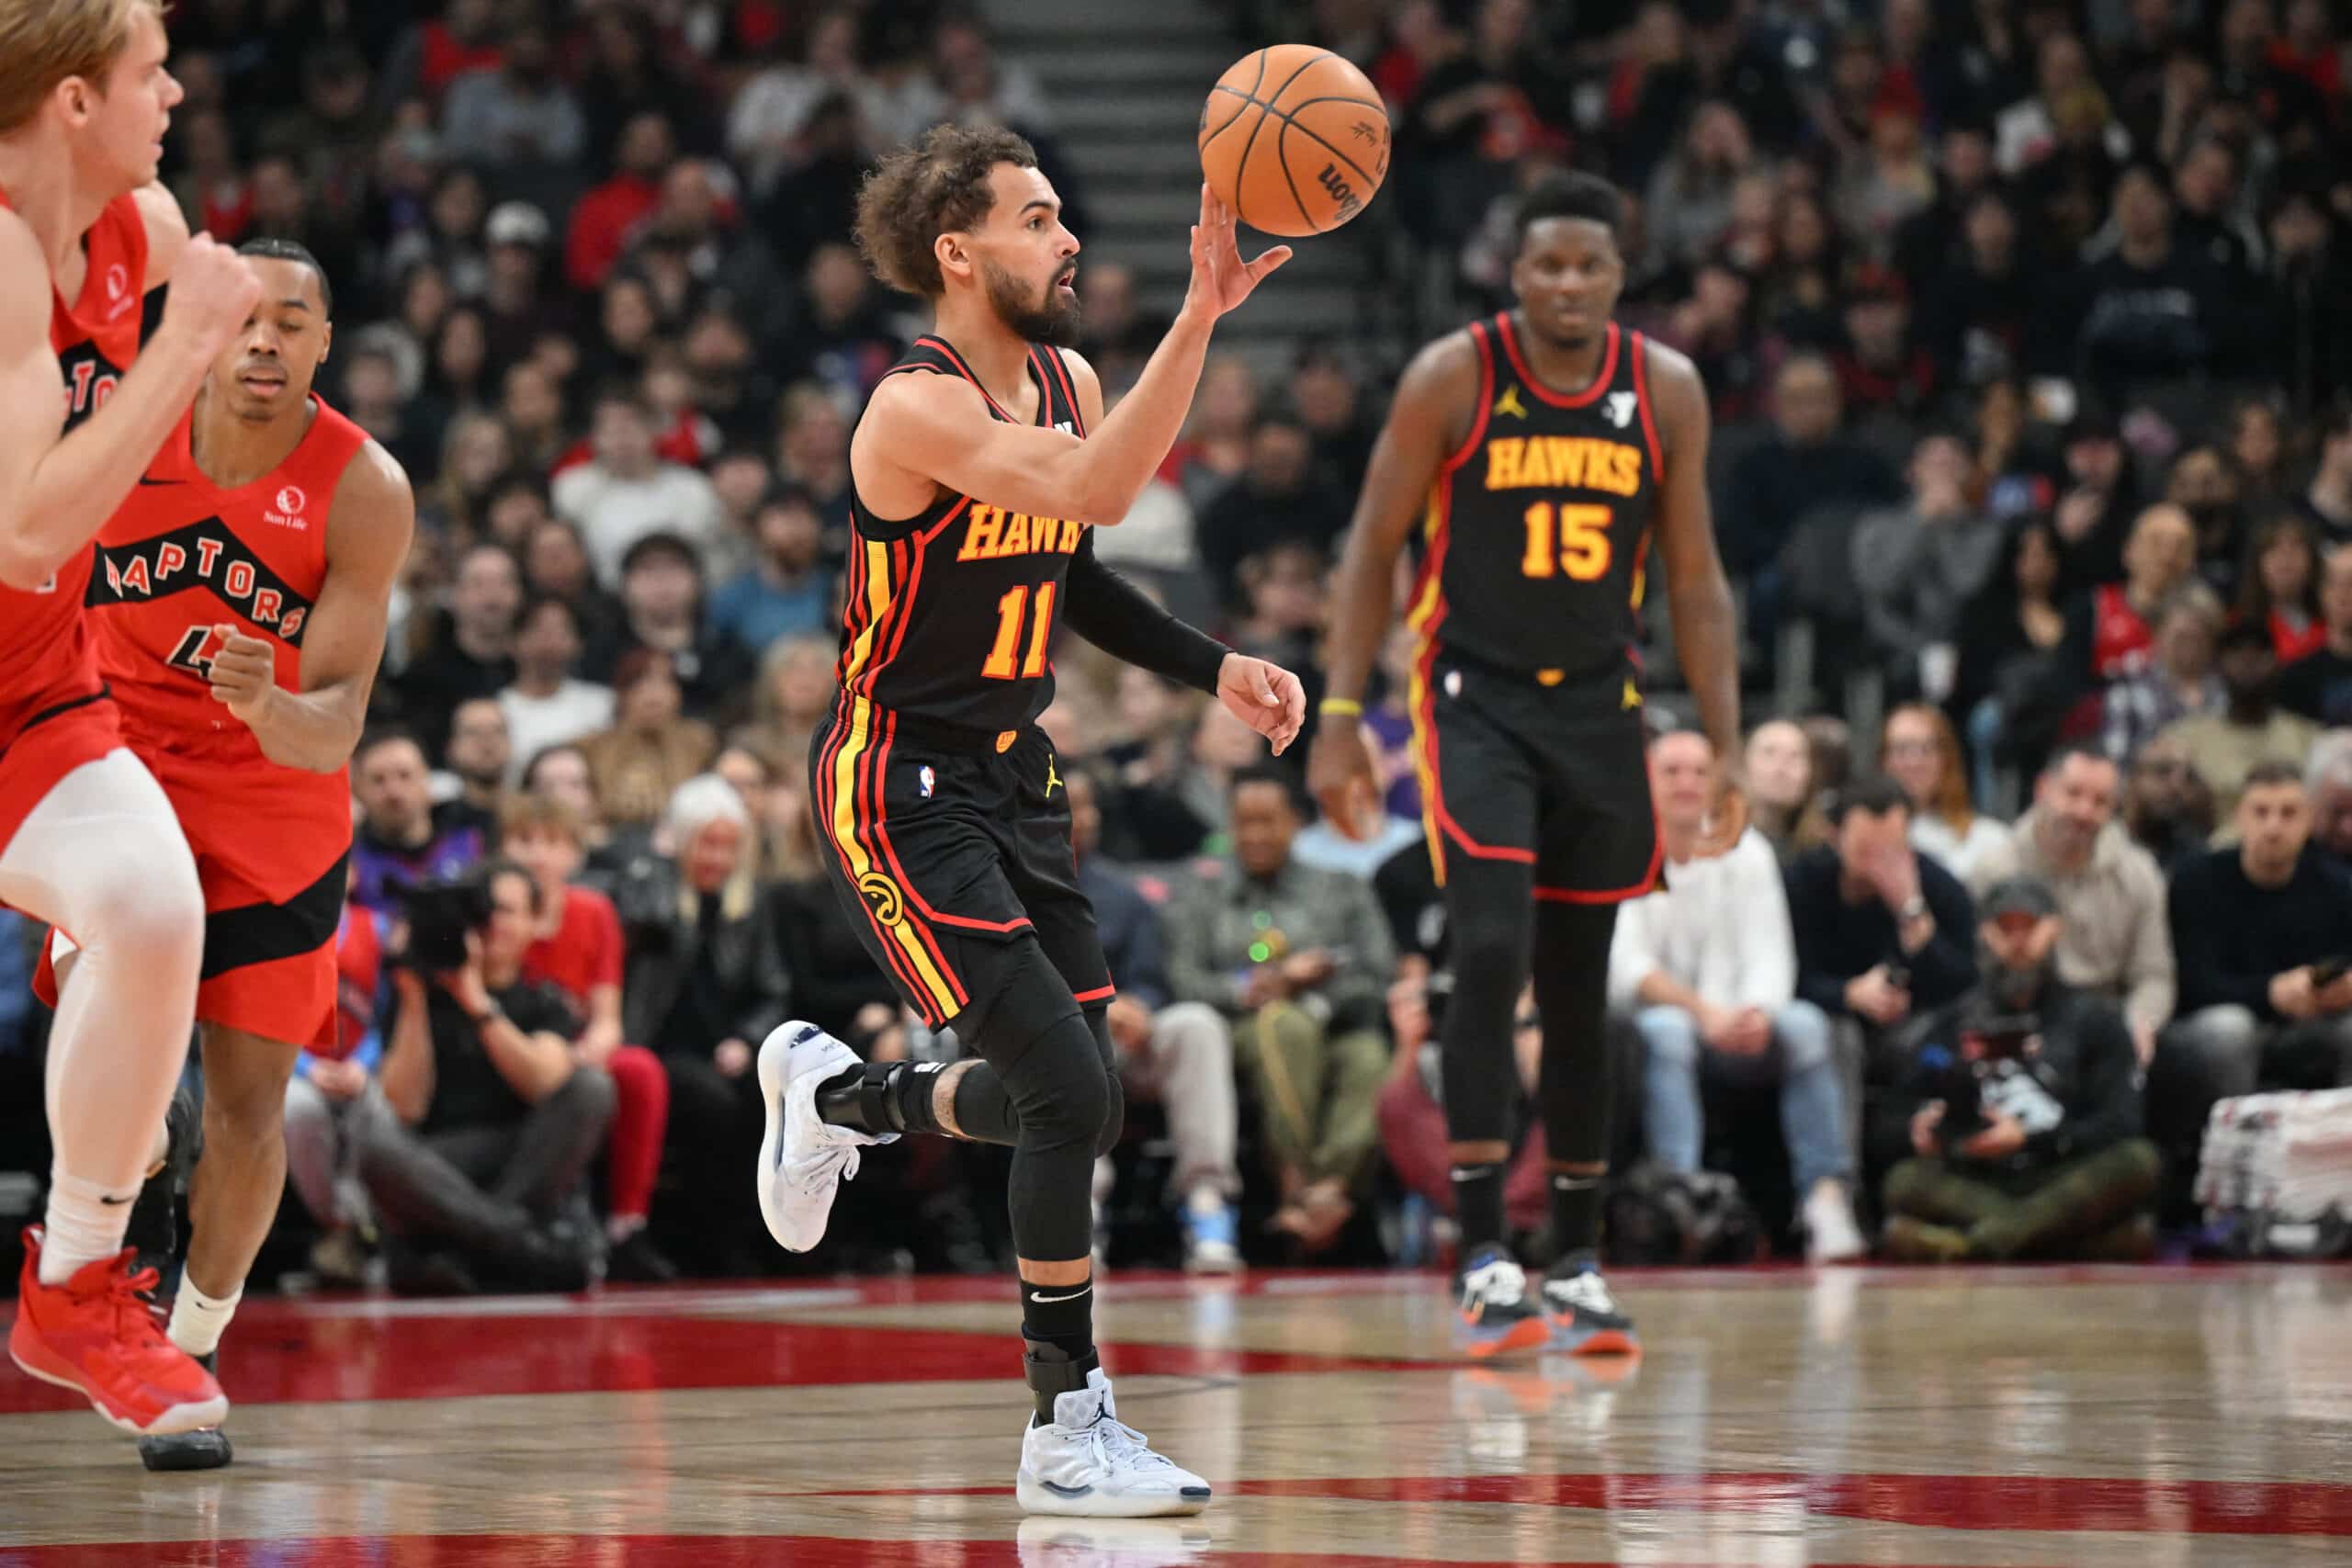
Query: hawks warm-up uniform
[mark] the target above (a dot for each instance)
(179, 557)
(53, 712)
(1525, 696)
(934, 787)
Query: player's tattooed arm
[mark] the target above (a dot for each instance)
(1436, 403)
(367, 538)
(1706, 630)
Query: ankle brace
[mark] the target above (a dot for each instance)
(1050, 1373)
(860, 1099)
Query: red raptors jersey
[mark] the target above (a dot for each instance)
(46, 662)
(182, 556)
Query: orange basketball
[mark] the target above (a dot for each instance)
(1293, 139)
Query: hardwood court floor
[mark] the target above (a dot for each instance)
(2151, 1417)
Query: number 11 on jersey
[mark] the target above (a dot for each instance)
(1008, 633)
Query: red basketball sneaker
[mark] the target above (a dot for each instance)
(94, 1334)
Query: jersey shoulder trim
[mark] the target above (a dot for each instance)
(1639, 349)
(1486, 408)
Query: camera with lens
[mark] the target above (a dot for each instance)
(439, 914)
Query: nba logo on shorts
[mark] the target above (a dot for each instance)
(924, 779)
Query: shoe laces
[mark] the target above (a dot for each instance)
(1120, 1448)
(1501, 1283)
(1587, 1290)
(128, 1294)
(837, 1162)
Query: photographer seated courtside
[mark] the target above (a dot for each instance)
(473, 1152)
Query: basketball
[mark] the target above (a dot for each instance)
(1293, 139)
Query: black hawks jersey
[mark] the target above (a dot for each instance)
(951, 611)
(1531, 552)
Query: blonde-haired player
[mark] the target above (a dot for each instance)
(87, 840)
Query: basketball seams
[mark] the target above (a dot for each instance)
(1241, 169)
(1245, 101)
(1296, 200)
(1290, 117)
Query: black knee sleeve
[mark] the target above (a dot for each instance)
(1044, 1053)
(1115, 1115)
(1571, 968)
(1487, 934)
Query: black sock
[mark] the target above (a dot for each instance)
(1057, 1322)
(1478, 1206)
(1576, 1213)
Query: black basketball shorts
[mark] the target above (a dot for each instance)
(949, 858)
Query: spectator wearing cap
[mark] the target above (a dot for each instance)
(548, 705)
(2178, 684)
(787, 591)
(2116, 943)
(2224, 748)
(2319, 686)
(652, 746)
(1708, 969)
(518, 307)
(2016, 1129)
(517, 114)
(1918, 564)
(1881, 929)
(2263, 933)
(662, 608)
(627, 492)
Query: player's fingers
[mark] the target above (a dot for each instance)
(1258, 269)
(1262, 687)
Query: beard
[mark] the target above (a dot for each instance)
(1055, 320)
(2017, 988)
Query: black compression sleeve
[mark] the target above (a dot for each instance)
(1123, 621)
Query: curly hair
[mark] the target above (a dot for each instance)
(937, 186)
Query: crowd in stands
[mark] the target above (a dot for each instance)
(2028, 328)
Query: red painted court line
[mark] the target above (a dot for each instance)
(336, 1358)
(2056, 1505)
(678, 1552)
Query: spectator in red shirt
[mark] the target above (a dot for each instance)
(579, 951)
(604, 220)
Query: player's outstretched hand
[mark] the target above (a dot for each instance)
(1342, 777)
(1266, 697)
(1221, 279)
(214, 290)
(1728, 819)
(243, 673)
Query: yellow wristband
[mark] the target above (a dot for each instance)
(1340, 707)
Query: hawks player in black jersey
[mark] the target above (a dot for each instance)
(975, 489)
(1534, 456)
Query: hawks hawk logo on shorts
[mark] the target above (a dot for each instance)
(883, 898)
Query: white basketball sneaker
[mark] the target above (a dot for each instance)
(1045, 1542)
(1089, 1464)
(802, 1158)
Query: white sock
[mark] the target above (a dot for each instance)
(198, 1321)
(84, 1225)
